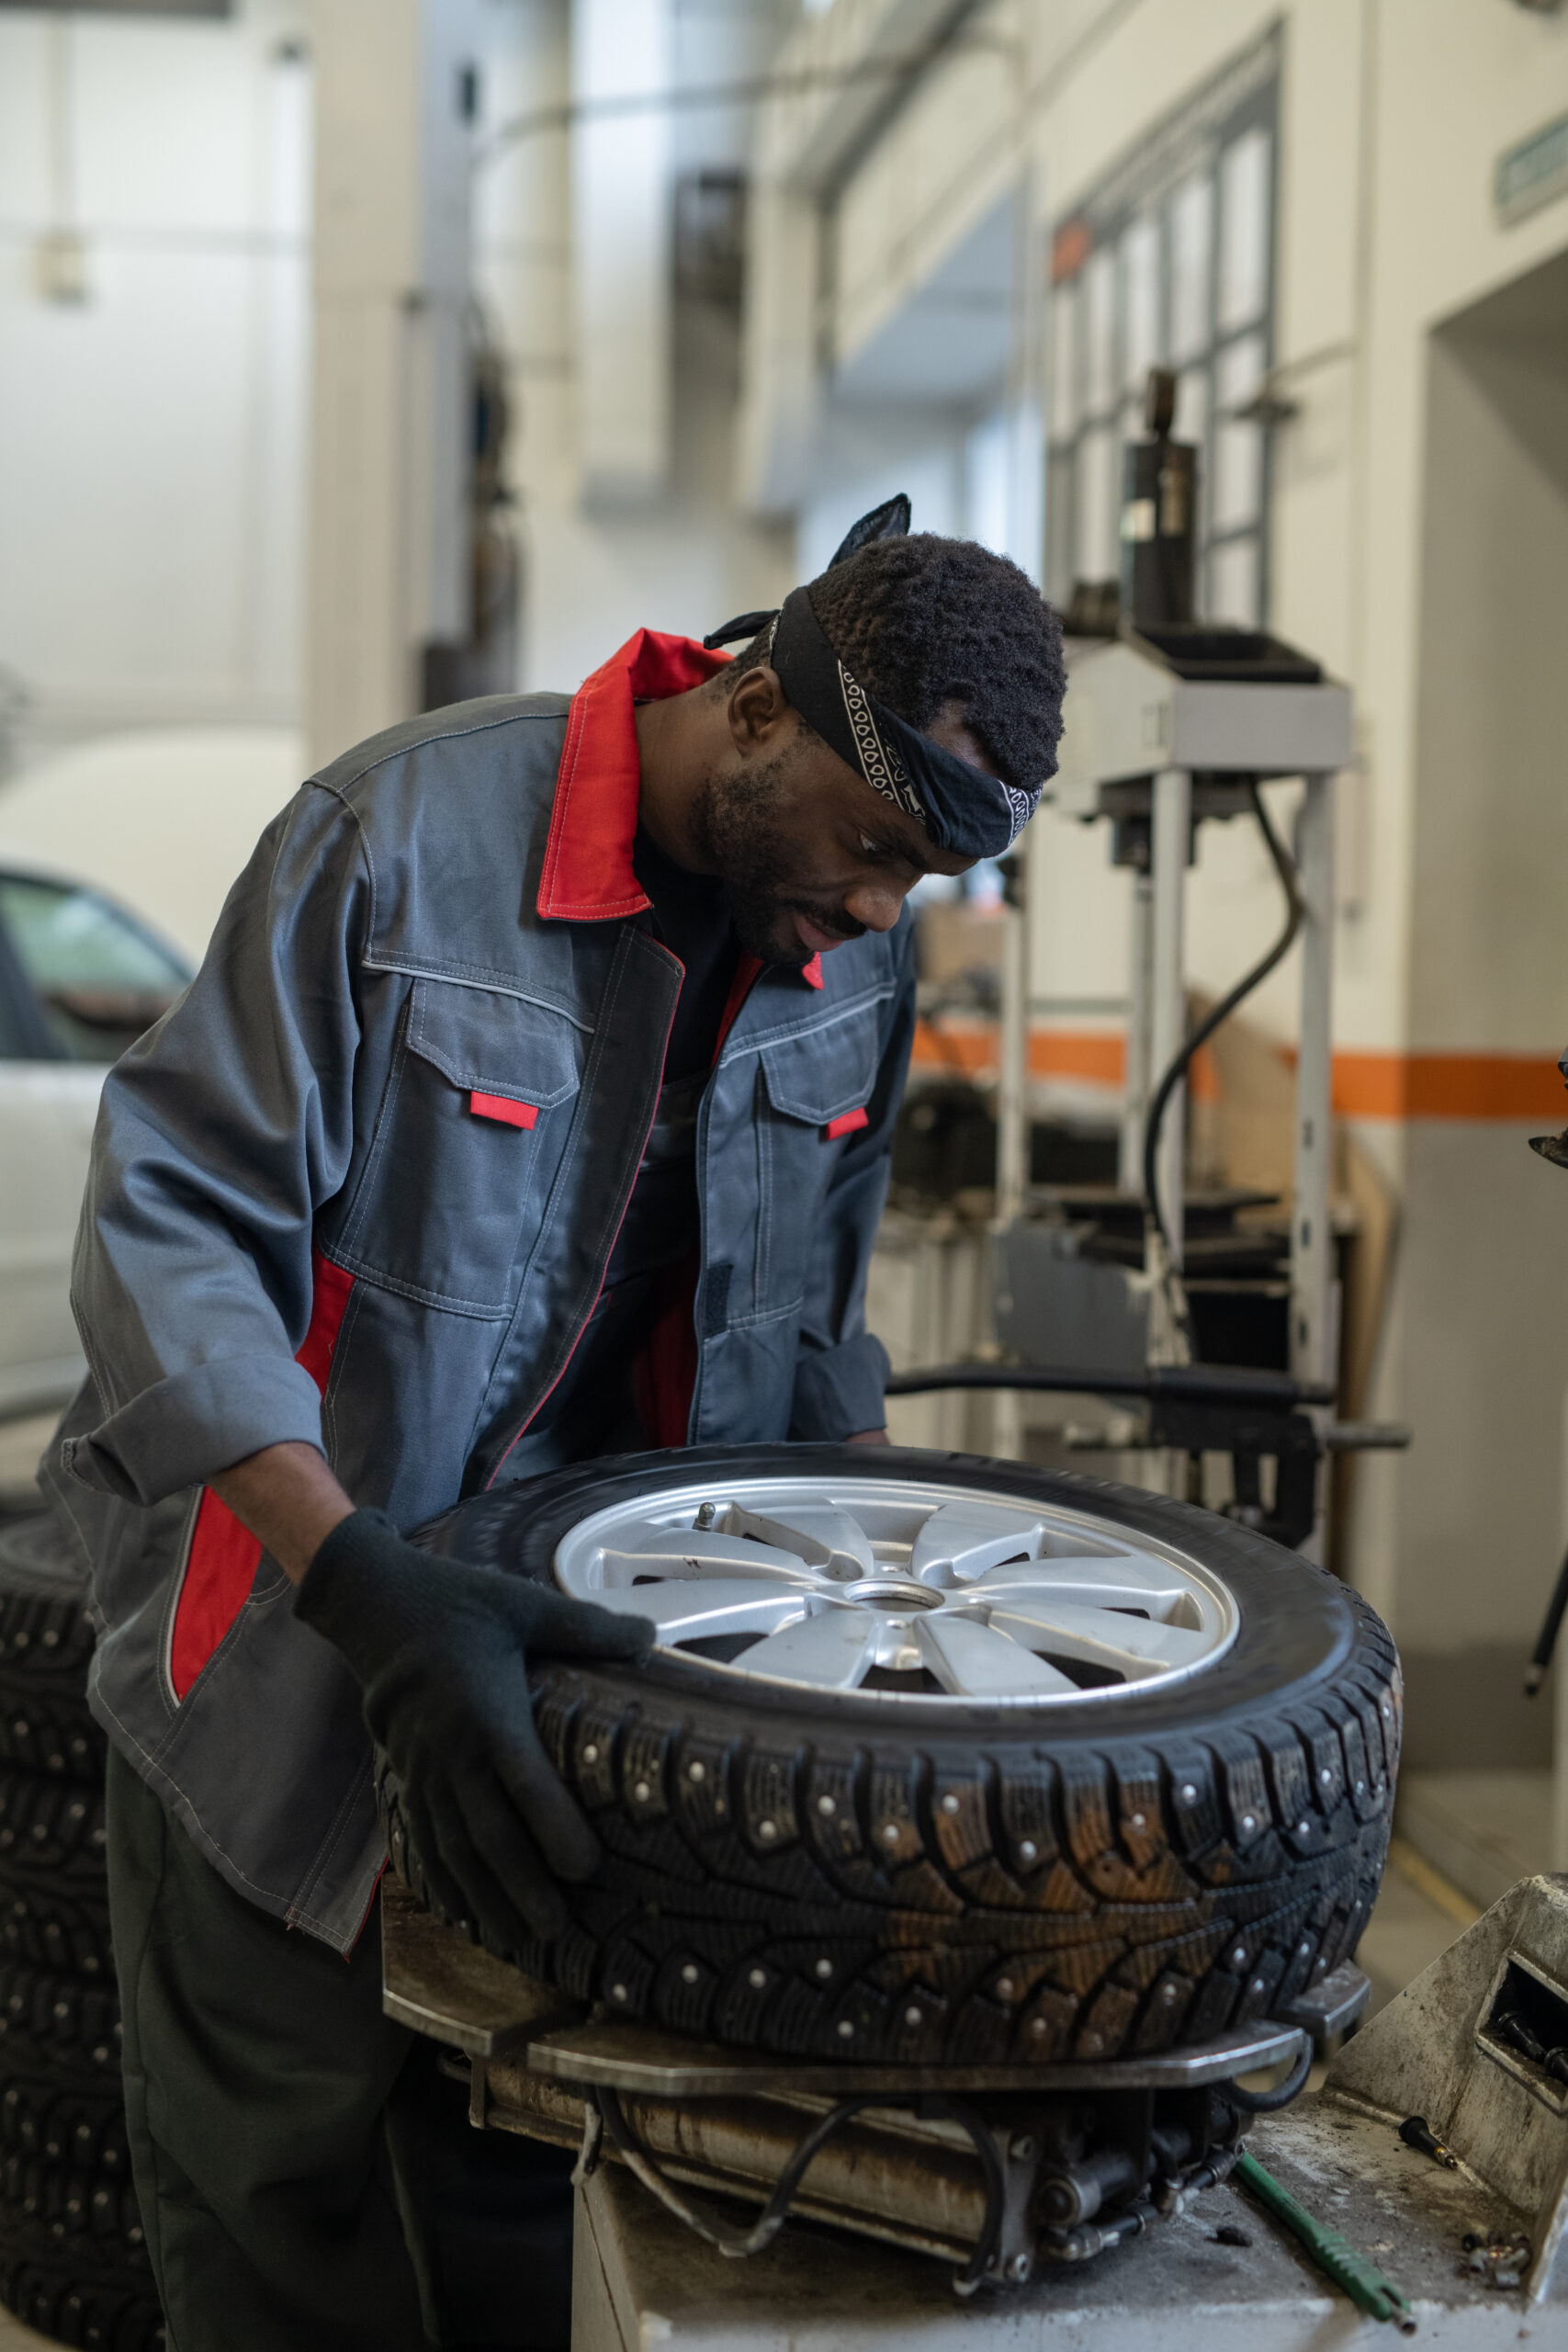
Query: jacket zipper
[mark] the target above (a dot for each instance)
(525, 1426)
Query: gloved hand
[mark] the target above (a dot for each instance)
(439, 1648)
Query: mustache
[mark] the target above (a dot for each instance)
(841, 925)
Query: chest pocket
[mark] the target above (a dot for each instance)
(468, 1138)
(806, 1086)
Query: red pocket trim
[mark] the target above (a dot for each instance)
(849, 1124)
(502, 1107)
(224, 1555)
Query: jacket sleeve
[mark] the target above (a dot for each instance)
(841, 1368)
(220, 1136)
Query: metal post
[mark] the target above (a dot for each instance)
(1312, 1240)
(1012, 1107)
(1012, 1124)
(1168, 1023)
(1130, 1164)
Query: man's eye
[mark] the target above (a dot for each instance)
(874, 850)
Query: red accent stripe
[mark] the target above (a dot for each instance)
(848, 1124)
(588, 875)
(502, 1107)
(224, 1554)
(812, 973)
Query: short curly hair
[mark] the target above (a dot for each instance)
(922, 621)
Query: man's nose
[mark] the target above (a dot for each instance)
(876, 904)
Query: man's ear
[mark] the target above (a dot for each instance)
(759, 709)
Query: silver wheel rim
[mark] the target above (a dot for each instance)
(897, 1589)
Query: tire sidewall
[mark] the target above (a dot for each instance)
(1297, 1626)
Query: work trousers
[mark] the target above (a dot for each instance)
(258, 2068)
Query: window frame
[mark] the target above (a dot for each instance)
(1189, 144)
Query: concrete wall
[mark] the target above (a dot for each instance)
(676, 554)
(151, 460)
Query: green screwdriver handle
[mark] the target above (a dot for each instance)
(1361, 2279)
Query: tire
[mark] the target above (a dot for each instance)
(77, 2209)
(53, 1896)
(77, 2288)
(67, 1930)
(64, 2028)
(46, 1641)
(84, 2129)
(822, 1873)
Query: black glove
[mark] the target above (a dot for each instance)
(439, 1648)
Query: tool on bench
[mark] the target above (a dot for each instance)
(1365, 2284)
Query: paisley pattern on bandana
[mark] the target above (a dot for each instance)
(881, 768)
(958, 806)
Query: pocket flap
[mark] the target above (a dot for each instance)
(495, 1045)
(827, 1072)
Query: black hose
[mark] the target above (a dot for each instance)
(1546, 1641)
(1186, 1383)
(1285, 868)
(1267, 2102)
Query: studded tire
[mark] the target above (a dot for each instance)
(66, 2126)
(80, 2287)
(939, 1882)
(46, 1641)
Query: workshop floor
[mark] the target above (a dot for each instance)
(1485, 1830)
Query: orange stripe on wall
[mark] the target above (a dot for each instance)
(1366, 1085)
(1097, 1056)
(1448, 1086)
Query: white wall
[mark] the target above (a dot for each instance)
(682, 558)
(151, 464)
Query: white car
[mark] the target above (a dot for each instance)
(81, 978)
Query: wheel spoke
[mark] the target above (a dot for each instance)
(975, 1662)
(1133, 1579)
(815, 1533)
(696, 1552)
(961, 1540)
(684, 1610)
(1137, 1646)
(831, 1650)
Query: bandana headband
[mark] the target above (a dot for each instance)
(958, 806)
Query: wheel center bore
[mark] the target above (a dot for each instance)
(893, 1593)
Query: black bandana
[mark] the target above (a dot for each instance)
(959, 806)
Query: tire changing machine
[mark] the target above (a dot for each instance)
(1168, 725)
(1426, 2180)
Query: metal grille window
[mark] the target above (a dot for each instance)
(1170, 263)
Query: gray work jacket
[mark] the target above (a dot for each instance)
(360, 1187)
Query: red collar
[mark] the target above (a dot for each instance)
(588, 875)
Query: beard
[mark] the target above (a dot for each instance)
(742, 824)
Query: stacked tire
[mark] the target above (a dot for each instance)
(72, 2260)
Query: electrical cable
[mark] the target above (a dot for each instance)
(734, 2242)
(1284, 867)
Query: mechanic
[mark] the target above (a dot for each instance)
(534, 1100)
